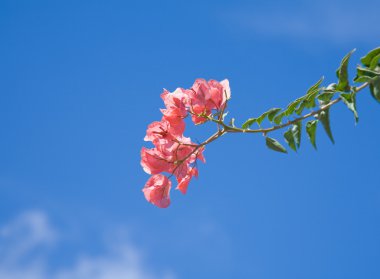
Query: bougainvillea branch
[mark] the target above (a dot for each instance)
(206, 101)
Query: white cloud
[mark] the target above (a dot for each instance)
(20, 258)
(320, 20)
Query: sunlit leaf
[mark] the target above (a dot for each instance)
(350, 101)
(272, 113)
(367, 59)
(311, 129)
(375, 89)
(342, 73)
(289, 139)
(274, 145)
(324, 117)
(296, 130)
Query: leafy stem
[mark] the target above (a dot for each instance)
(368, 75)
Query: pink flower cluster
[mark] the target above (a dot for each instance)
(173, 153)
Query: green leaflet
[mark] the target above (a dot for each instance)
(365, 75)
(375, 89)
(327, 93)
(292, 106)
(289, 139)
(324, 117)
(248, 123)
(300, 108)
(375, 62)
(311, 129)
(274, 145)
(367, 59)
(350, 101)
(308, 100)
(315, 86)
(296, 130)
(325, 96)
(342, 74)
(270, 114)
(278, 118)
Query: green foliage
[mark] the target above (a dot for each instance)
(289, 139)
(270, 114)
(375, 89)
(274, 145)
(342, 74)
(366, 75)
(296, 130)
(293, 136)
(317, 96)
(350, 100)
(311, 129)
(367, 60)
(278, 119)
(324, 117)
(308, 101)
(371, 72)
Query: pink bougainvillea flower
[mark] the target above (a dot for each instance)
(159, 132)
(206, 96)
(175, 105)
(174, 153)
(157, 190)
(220, 93)
(199, 96)
(183, 183)
(227, 90)
(153, 161)
(175, 99)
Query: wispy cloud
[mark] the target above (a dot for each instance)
(20, 260)
(336, 22)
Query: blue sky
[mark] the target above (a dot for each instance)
(79, 83)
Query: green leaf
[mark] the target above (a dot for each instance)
(315, 87)
(248, 123)
(310, 100)
(325, 97)
(274, 145)
(367, 59)
(272, 113)
(324, 117)
(365, 75)
(350, 101)
(301, 107)
(296, 130)
(261, 118)
(289, 138)
(375, 89)
(375, 62)
(278, 118)
(311, 129)
(342, 74)
(292, 106)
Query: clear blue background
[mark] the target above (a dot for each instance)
(80, 81)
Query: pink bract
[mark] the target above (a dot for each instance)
(153, 161)
(184, 182)
(157, 190)
(160, 132)
(174, 153)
